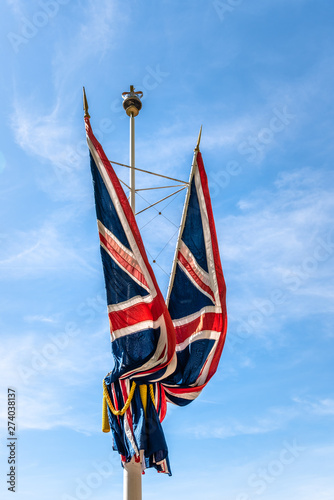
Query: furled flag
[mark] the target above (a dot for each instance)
(196, 299)
(142, 333)
(161, 354)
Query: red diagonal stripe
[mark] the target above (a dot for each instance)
(118, 254)
(183, 390)
(135, 314)
(207, 321)
(194, 275)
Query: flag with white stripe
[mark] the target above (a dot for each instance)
(142, 333)
(196, 301)
(161, 353)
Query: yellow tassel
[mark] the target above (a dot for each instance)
(152, 393)
(143, 396)
(105, 419)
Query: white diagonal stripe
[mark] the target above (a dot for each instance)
(203, 275)
(204, 334)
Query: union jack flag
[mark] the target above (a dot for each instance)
(142, 333)
(176, 349)
(197, 296)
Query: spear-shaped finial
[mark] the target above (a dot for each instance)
(199, 139)
(85, 104)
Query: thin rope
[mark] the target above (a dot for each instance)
(148, 172)
(160, 212)
(177, 229)
(158, 187)
(125, 184)
(167, 274)
(167, 243)
(149, 222)
(163, 199)
(169, 220)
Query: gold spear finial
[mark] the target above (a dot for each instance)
(199, 139)
(85, 104)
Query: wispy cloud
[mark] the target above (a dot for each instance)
(281, 240)
(42, 135)
(47, 375)
(274, 419)
(321, 407)
(39, 318)
(53, 141)
(94, 35)
(52, 136)
(41, 250)
(16, 6)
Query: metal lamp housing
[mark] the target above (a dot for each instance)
(132, 104)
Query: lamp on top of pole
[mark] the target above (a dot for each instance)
(132, 105)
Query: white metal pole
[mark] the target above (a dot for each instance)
(132, 470)
(132, 481)
(132, 164)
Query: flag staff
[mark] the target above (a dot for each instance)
(85, 104)
(183, 219)
(132, 487)
(132, 105)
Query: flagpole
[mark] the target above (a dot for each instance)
(183, 219)
(132, 164)
(132, 487)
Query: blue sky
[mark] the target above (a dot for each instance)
(259, 77)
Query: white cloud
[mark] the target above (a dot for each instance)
(51, 136)
(274, 419)
(42, 136)
(321, 407)
(16, 6)
(93, 37)
(281, 239)
(53, 140)
(39, 318)
(51, 377)
(41, 250)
